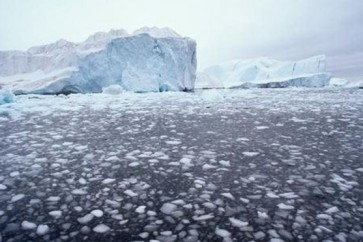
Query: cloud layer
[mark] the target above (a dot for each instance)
(224, 30)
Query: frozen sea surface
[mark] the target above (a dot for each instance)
(241, 165)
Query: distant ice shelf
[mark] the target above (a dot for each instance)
(265, 72)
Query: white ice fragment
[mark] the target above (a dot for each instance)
(108, 180)
(228, 195)
(168, 208)
(3, 187)
(53, 199)
(134, 164)
(178, 202)
(28, 225)
(237, 223)
(173, 142)
(259, 235)
(203, 217)
(285, 207)
(101, 228)
(225, 163)
(324, 216)
(140, 209)
(208, 167)
(98, 213)
(271, 195)
(56, 214)
(42, 229)
(222, 232)
(332, 210)
(79, 192)
(130, 193)
(262, 215)
(250, 154)
(17, 198)
(82, 181)
(261, 127)
(85, 219)
(14, 174)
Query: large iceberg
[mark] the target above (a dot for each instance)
(149, 60)
(6, 96)
(265, 72)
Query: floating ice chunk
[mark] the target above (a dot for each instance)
(276, 240)
(285, 207)
(53, 199)
(225, 163)
(3, 187)
(222, 232)
(186, 161)
(82, 181)
(243, 139)
(79, 192)
(237, 223)
(262, 127)
(259, 235)
(140, 209)
(108, 180)
(56, 214)
(85, 219)
(144, 235)
(324, 216)
(332, 210)
(98, 213)
(17, 198)
(42, 229)
(134, 164)
(173, 142)
(228, 195)
(262, 215)
(28, 225)
(6, 96)
(168, 208)
(250, 154)
(208, 167)
(288, 195)
(203, 217)
(212, 95)
(113, 90)
(178, 202)
(271, 195)
(130, 193)
(101, 228)
(14, 174)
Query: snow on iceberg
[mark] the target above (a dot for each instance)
(149, 60)
(265, 72)
(6, 96)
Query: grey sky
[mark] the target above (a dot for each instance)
(224, 29)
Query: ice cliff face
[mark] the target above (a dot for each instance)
(264, 72)
(150, 59)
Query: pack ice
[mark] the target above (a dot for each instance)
(265, 72)
(149, 60)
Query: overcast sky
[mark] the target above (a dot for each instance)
(223, 29)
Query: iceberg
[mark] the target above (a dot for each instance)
(338, 82)
(266, 73)
(6, 96)
(149, 60)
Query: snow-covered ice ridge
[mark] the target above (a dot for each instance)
(148, 60)
(265, 72)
